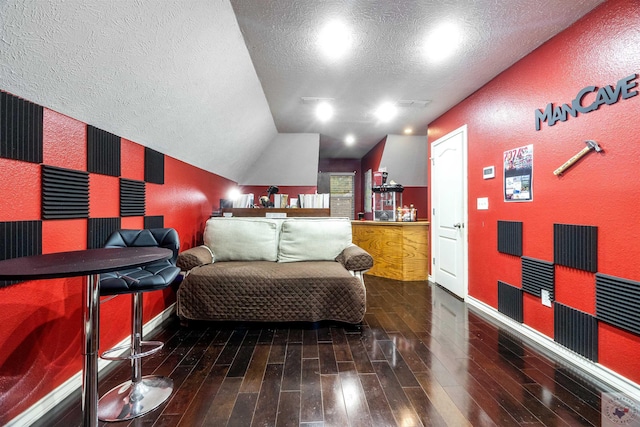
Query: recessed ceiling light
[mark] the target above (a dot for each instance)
(386, 112)
(324, 111)
(408, 131)
(334, 40)
(349, 139)
(443, 42)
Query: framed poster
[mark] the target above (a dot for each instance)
(518, 174)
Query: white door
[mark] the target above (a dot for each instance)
(449, 211)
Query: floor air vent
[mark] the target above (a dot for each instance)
(510, 301)
(576, 330)
(618, 302)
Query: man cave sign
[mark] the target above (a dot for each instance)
(608, 95)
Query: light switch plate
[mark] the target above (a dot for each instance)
(483, 203)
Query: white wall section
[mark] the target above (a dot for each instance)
(405, 158)
(289, 159)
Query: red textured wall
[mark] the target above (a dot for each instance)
(416, 196)
(40, 336)
(20, 190)
(601, 190)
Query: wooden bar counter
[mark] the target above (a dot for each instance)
(400, 250)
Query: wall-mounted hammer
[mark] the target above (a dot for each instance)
(591, 145)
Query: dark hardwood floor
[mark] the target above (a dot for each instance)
(420, 358)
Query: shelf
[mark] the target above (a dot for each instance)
(290, 212)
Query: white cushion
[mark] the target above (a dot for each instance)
(242, 239)
(306, 239)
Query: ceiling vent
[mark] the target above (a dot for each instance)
(313, 100)
(412, 103)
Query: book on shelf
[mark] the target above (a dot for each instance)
(314, 201)
(244, 201)
(280, 200)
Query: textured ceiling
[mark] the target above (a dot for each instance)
(177, 76)
(173, 75)
(387, 61)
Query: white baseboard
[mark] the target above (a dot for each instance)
(595, 370)
(60, 393)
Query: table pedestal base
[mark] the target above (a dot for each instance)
(91, 332)
(130, 400)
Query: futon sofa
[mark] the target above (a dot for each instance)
(274, 270)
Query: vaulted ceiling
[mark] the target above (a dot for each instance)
(212, 82)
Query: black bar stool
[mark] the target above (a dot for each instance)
(139, 395)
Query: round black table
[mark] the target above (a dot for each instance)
(90, 263)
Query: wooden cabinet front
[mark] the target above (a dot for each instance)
(400, 250)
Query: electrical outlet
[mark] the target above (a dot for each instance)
(546, 297)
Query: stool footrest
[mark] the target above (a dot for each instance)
(155, 347)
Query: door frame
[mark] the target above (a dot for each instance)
(465, 208)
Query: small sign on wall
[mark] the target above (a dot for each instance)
(488, 172)
(518, 174)
(606, 95)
